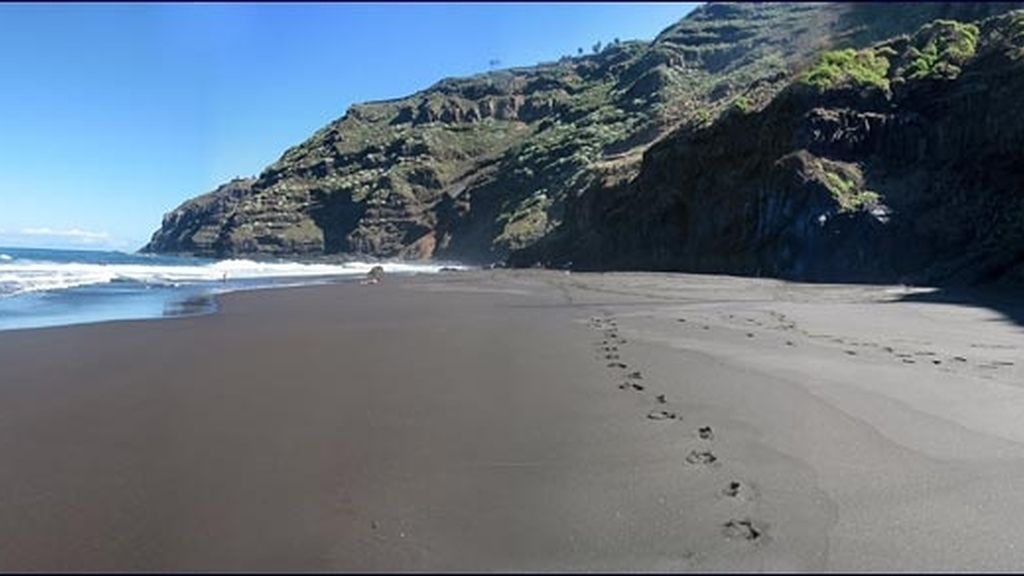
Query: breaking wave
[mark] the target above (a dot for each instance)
(19, 276)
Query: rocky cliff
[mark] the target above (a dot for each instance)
(768, 139)
(897, 161)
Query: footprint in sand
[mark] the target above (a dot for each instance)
(738, 491)
(661, 399)
(706, 327)
(633, 385)
(750, 334)
(743, 529)
(790, 343)
(733, 489)
(611, 356)
(701, 458)
(993, 346)
(705, 433)
(851, 352)
(995, 364)
(662, 415)
(680, 319)
(617, 365)
(959, 359)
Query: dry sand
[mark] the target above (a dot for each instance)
(521, 421)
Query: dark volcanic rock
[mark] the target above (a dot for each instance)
(918, 178)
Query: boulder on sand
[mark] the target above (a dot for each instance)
(375, 275)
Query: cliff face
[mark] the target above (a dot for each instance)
(743, 139)
(899, 161)
(479, 167)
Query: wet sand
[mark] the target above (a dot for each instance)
(520, 421)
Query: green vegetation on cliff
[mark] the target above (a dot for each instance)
(845, 182)
(849, 67)
(947, 44)
(937, 51)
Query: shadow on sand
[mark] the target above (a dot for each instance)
(1007, 301)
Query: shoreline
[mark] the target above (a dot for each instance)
(996, 297)
(202, 303)
(519, 420)
(42, 287)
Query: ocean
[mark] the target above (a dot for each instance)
(41, 287)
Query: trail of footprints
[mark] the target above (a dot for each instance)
(741, 528)
(780, 322)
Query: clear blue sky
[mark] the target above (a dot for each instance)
(114, 114)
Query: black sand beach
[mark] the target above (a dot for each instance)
(520, 421)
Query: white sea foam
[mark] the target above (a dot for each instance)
(20, 278)
(6, 258)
